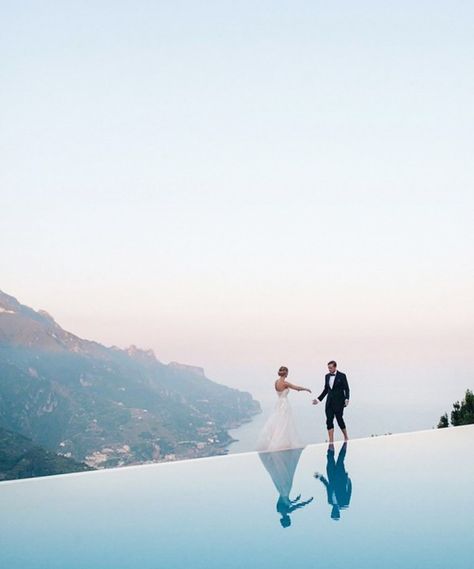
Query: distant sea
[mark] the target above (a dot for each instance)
(363, 419)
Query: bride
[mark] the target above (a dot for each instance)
(279, 432)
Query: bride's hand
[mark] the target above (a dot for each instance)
(308, 390)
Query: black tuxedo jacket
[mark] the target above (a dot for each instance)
(339, 392)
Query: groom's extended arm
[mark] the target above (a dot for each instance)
(323, 394)
(325, 390)
(322, 479)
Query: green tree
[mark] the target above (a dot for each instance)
(463, 412)
(443, 421)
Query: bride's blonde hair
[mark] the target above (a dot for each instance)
(283, 371)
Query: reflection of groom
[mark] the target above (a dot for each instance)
(337, 390)
(338, 484)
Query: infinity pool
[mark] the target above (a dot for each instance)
(400, 501)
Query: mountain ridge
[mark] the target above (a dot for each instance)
(20, 458)
(107, 406)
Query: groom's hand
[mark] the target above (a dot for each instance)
(315, 401)
(346, 402)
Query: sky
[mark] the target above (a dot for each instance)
(240, 185)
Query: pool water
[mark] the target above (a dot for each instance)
(400, 501)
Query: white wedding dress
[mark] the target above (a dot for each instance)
(279, 432)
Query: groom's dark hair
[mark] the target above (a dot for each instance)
(332, 363)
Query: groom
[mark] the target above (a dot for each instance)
(337, 390)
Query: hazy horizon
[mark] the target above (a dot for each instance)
(240, 186)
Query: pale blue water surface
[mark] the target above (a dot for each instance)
(400, 501)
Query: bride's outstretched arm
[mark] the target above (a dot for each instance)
(296, 387)
(300, 505)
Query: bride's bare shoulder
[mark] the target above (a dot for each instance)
(280, 385)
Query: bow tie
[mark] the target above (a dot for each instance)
(332, 375)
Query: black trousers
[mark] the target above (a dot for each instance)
(334, 409)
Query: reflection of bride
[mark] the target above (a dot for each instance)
(279, 432)
(281, 466)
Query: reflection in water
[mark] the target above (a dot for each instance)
(281, 466)
(338, 484)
